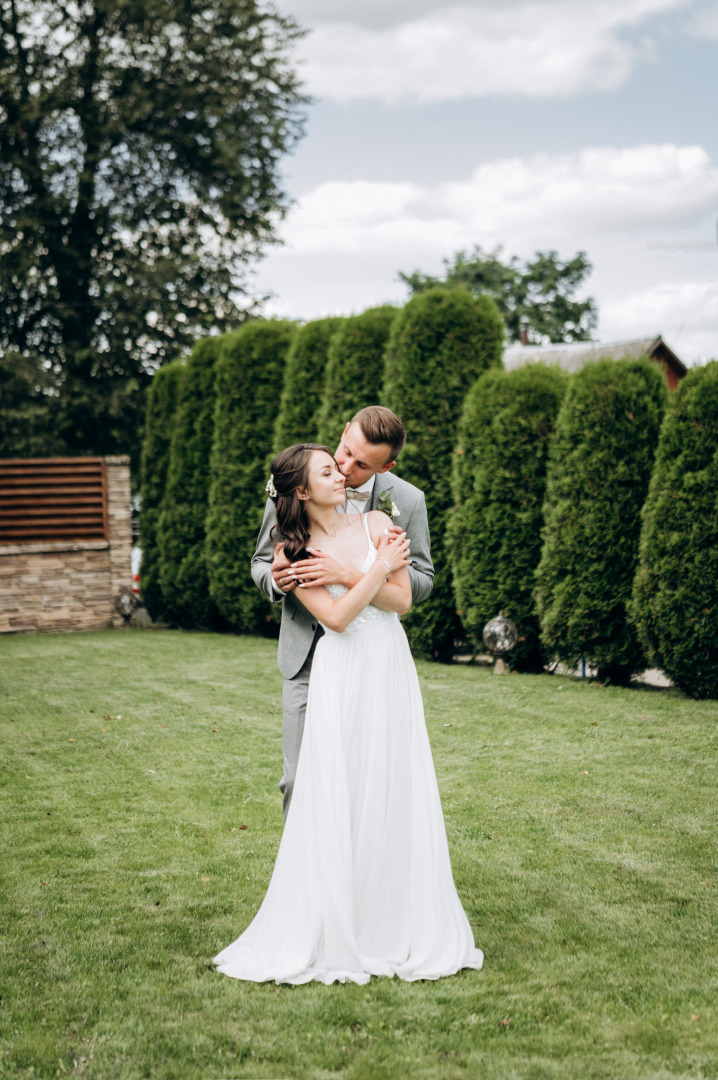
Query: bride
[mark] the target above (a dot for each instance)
(362, 884)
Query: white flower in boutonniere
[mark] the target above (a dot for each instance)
(387, 505)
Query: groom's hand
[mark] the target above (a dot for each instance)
(323, 570)
(280, 570)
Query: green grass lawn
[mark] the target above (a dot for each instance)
(140, 821)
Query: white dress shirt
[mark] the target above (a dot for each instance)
(362, 506)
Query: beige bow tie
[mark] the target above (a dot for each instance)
(358, 496)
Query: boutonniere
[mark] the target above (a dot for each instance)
(387, 505)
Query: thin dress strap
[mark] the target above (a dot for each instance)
(366, 530)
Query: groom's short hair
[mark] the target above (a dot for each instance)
(381, 425)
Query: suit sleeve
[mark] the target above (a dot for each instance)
(264, 556)
(421, 571)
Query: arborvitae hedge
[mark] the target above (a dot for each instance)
(355, 370)
(440, 343)
(161, 405)
(598, 474)
(249, 382)
(499, 482)
(298, 417)
(675, 598)
(181, 534)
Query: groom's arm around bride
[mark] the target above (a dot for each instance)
(388, 492)
(366, 455)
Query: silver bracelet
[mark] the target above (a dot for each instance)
(386, 564)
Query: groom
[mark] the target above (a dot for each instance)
(367, 452)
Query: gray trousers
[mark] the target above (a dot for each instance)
(294, 700)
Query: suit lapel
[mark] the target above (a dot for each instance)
(382, 482)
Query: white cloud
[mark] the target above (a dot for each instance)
(336, 215)
(430, 52)
(384, 13)
(373, 13)
(704, 23)
(685, 313)
(523, 202)
(607, 190)
(644, 215)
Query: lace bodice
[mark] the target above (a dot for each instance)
(370, 616)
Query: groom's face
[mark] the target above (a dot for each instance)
(358, 459)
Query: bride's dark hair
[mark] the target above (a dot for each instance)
(290, 471)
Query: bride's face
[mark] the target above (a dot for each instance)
(325, 483)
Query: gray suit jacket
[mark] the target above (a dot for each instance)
(298, 627)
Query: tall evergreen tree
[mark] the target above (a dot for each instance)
(297, 420)
(439, 345)
(675, 597)
(499, 480)
(139, 172)
(598, 474)
(161, 405)
(183, 575)
(355, 370)
(249, 381)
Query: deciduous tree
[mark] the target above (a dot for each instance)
(139, 153)
(538, 295)
(28, 408)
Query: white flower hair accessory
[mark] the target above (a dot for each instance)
(270, 488)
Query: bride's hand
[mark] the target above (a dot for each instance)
(394, 550)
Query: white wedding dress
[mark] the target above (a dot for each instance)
(362, 884)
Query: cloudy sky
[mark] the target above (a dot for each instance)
(531, 124)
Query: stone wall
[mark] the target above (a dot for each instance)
(119, 516)
(70, 585)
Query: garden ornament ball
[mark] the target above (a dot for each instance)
(126, 604)
(500, 635)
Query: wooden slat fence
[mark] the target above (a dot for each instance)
(49, 499)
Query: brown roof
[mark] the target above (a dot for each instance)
(577, 354)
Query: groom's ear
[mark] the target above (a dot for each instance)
(385, 468)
